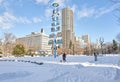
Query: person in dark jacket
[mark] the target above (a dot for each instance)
(95, 56)
(64, 57)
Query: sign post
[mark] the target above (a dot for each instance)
(55, 36)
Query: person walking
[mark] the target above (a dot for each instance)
(64, 57)
(95, 56)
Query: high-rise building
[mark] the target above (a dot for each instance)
(67, 27)
(36, 41)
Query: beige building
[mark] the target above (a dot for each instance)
(86, 39)
(87, 49)
(79, 45)
(35, 41)
(67, 27)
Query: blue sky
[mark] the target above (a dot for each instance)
(93, 17)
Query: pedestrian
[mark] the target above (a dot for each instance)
(64, 57)
(95, 56)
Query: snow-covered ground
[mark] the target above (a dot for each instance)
(76, 69)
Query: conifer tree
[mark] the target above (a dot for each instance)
(19, 50)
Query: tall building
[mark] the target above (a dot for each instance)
(67, 27)
(35, 41)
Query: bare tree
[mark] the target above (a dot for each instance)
(8, 43)
(0, 46)
(101, 40)
(108, 48)
(118, 39)
(0, 42)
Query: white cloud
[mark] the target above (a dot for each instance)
(42, 1)
(86, 12)
(5, 25)
(74, 7)
(93, 12)
(23, 20)
(8, 17)
(36, 20)
(48, 12)
(102, 11)
(1, 2)
(49, 2)
(7, 20)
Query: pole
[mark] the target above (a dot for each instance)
(55, 26)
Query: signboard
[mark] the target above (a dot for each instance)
(55, 29)
(57, 23)
(58, 28)
(59, 34)
(59, 41)
(55, 18)
(50, 42)
(52, 24)
(52, 29)
(51, 35)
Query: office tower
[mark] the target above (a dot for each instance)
(67, 27)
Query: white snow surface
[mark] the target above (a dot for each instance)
(75, 69)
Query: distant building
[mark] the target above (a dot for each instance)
(36, 41)
(79, 45)
(87, 49)
(86, 39)
(67, 27)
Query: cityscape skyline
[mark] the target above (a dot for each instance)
(94, 18)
